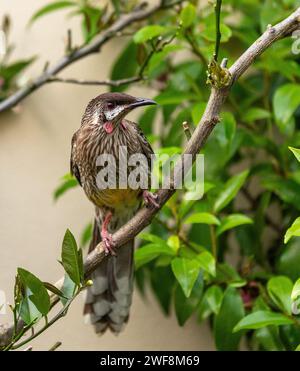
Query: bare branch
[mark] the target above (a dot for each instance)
(114, 83)
(199, 137)
(207, 123)
(55, 346)
(94, 47)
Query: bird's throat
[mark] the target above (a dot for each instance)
(108, 127)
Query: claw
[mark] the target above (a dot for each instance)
(108, 243)
(107, 237)
(150, 199)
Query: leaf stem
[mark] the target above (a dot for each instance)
(59, 315)
(213, 238)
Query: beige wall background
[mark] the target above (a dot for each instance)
(34, 154)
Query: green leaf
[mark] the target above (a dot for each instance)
(275, 63)
(197, 112)
(163, 261)
(9, 73)
(124, 66)
(53, 289)
(261, 319)
(185, 307)
(230, 190)
(174, 243)
(204, 310)
(70, 258)
(68, 182)
(207, 262)
(202, 218)
(289, 261)
(214, 297)
(231, 312)
(163, 293)
(269, 338)
(169, 97)
(285, 101)
(254, 114)
(286, 189)
(280, 290)
(186, 272)
(290, 335)
(152, 238)
(68, 289)
(209, 33)
(151, 251)
(91, 23)
(294, 230)
(51, 8)
(148, 32)
(86, 235)
(188, 15)
(146, 120)
(228, 274)
(80, 264)
(40, 297)
(28, 311)
(232, 221)
(229, 125)
(296, 152)
(159, 58)
(193, 193)
(296, 290)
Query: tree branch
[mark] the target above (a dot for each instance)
(207, 123)
(94, 47)
(115, 83)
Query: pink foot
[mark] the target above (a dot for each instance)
(106, 236)
(108, 243)
(150, 199)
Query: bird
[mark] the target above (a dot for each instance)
(103, 131)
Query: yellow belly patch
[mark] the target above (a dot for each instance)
(117, 198)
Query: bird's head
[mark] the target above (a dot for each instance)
(109, 109)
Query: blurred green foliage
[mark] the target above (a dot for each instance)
(252, 182)
(9, 70)
(254, 192)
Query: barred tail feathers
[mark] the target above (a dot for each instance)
(108, 300)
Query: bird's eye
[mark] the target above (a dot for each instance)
(110, 105)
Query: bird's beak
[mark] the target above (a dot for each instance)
(121, 111)
(141, 102)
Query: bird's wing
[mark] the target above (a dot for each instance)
(73, 166)
(146, 147)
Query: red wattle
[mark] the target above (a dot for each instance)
(108, 127)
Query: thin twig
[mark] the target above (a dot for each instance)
(214, 248)
(69, 42)
(195, 49)
(55, 346)
(59, 315)
(82, 52)
(115, 83)
(28, 349)
(218, 31)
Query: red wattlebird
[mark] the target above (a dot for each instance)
(103, 131)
